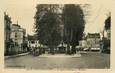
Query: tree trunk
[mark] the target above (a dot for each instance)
(73, 49)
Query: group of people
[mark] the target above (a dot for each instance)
(34, 51)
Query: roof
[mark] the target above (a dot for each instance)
(92, 35)
(16, 25)
(32, 37)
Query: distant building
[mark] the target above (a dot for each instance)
(93, 40)
(18, 37)
(33, 42)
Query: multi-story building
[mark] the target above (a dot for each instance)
(93, 40)
(7, 32)
(18, 37)
(33, 42)
(34, 45)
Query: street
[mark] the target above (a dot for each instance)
(86, 61)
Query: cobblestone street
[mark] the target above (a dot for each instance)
(60, 62)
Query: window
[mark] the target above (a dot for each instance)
(32, 42)
(15, 34)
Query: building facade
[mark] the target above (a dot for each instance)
(33, 43)
(93, 40)
(18, 37)
(7, 32)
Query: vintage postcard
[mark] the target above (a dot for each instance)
(56, 36)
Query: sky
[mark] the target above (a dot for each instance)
(23, 11)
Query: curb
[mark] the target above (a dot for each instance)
(6, 57)
(61, 56)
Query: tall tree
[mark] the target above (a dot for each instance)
(47, 25)
(73, 18)
(107, 40)
(108, 23)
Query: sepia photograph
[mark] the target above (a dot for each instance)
(57, 36)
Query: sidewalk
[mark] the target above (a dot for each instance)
(88, 52)
(22, 54)
(60, 55)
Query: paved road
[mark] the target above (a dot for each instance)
(90, 61)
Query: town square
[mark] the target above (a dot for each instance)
(58, 37)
